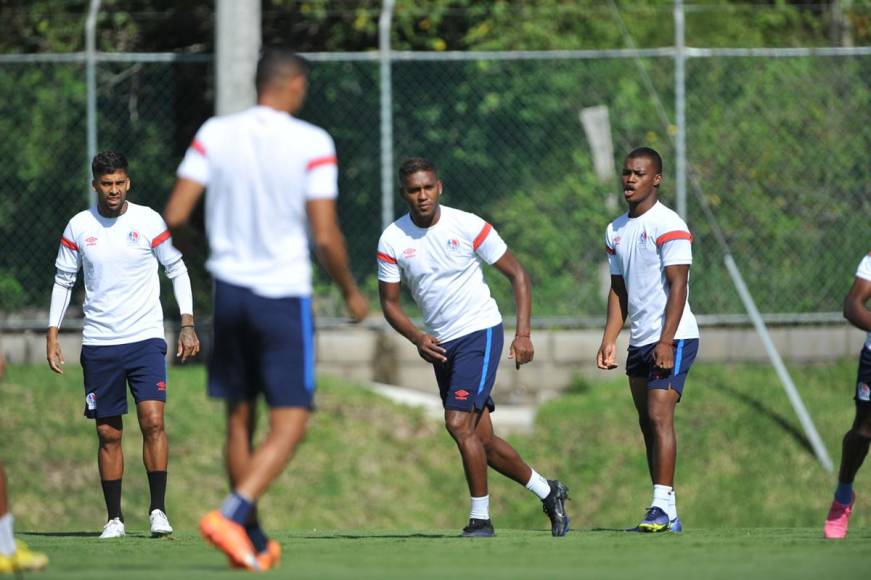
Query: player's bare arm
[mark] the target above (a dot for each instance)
(855, 310)
(521, 349)
(188, 341)
(618, 309)
(329, 247)
(678, 279)
(427, 345)
(53, 351)
(182, 201)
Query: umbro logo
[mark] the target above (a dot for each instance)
(161, 386)
(91, 241)
(409, 252)
(461, 395)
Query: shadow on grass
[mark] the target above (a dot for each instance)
(631, 530)
(377, 536)
(61, 534)
(781, 421)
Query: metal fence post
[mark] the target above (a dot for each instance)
(680, 110)
(386, 113)
(237, 42)
(91, 80)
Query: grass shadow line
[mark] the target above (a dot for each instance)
(61, 534)
(781, 421)
(377, 536)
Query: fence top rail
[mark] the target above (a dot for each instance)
(779, 52)
(82, 57)
(541, 322)
(457, 56)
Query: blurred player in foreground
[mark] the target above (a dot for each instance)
(268, 175)
(649, 255)
(437, 251)
(118, 244)
(857, 439)
(15, 556)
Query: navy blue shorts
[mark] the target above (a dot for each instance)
(109, 369)
(262, 345)
(466, 379)
(639, 363)
(863, 378)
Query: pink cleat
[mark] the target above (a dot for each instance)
(838, 519)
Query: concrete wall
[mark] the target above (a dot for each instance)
(381, 355)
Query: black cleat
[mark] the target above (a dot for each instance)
(555, 508)
(478, 529)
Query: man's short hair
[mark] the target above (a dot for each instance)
(278, 63)
(413, 165)
(650, 154)
(107, 162)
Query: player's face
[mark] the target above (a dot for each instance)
(112, 191)
(640, 180)
(422, 190)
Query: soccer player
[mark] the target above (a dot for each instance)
(268, 176)
(649, 255)
(437, 251)
(14, 556)
(118, 244)
(857, 439)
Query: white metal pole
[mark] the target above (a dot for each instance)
(237, 44)
(384, 55)
(680, 110)
(91, 82)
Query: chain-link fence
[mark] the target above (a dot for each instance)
(776, 146)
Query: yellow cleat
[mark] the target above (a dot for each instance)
(24, 560)
(6, 565)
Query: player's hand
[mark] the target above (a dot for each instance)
(663, 355)
(188, 344)
(358, 306)
(54, 354)
(429, 350)
(521, 350)
(606, 358)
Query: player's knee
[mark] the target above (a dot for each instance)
(660, 420)
(151, 425)
(109, 436)
(459, 427)
(863, 429)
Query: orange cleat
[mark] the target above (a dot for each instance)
(230, 538)
(268, 559)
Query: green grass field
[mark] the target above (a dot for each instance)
(761, 553)
(377, 490)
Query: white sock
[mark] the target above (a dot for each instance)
(538, 485)
(662, 495)
(480, 508)
(7, 541)
(672, 505)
